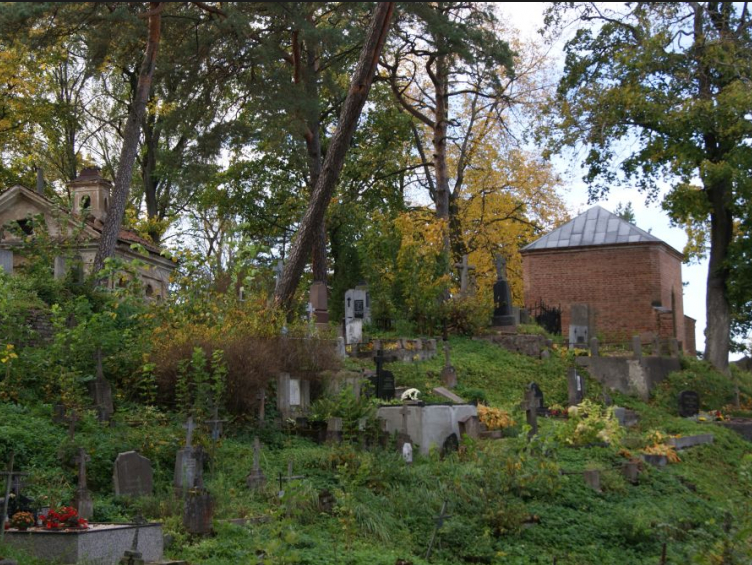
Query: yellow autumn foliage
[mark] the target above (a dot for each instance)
(494, 418)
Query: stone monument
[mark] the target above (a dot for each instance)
(502, 315)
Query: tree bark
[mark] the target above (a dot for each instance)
(131, 134)
(348, 121)
(717, 307)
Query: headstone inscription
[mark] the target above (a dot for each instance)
(502, 314)
(132, 475)
(689, 403)
(82, 501)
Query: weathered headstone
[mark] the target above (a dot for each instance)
(6, 261)
(358, 305)
(631, 471)
(502, 314)
(407, 453)
(656, 346)
(283, 395)
(132, 475)
(575, 387)
(354, 331)
(334, 430)
(256, 478)
(341, 350)
(198, 513)
(689, 403)
(579, 325)
(593, 479)
(82, 501)
(448, 373)
(636, 347)
(594, 351)
(101, 393)
(189, 468)
(60, 268)
(320, 302)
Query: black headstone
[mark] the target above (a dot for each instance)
(542, 409)
(689, 403)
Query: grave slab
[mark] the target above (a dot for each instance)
(690, 441)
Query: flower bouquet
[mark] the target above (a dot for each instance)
(22, 520)
(64, 518)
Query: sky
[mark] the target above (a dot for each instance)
(527, 17)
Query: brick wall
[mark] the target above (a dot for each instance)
(622, 284)
(690, 345)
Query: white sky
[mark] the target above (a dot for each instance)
(528, 18)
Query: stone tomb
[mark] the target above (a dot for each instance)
(426, 425)
(132, 475)
(101, 544)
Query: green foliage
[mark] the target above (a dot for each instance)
(590, 423)
(201, 383)
(346, 406)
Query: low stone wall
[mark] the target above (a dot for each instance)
(630, 376)
(400, 349)
(530, 345)
(427, 424)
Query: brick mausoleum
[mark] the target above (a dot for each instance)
(630, 280)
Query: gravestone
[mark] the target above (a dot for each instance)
(82, 500)
(470, 427)
(689, 403)
(448, 373)
(319, 300)
(341, 350)
(594, 352)
(334, 430)
(6, 261)
(132, 475)
(593, 479)
(579, 326)
(631, 471)
(101, 393)
(407, 453)
(575, 387)
(198, 513)
(353, 331)
(358, 305)
(636, 347)
(60, 269)
(256, 478)
(383, 382)
(502, 314)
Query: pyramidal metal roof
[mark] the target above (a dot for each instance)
(597, 226)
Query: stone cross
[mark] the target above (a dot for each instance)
(439, 523)
(465, 274)
(256, 479)
(216, 424)
(309, 310)
(81, 459)
(189, 426)
(501, 268)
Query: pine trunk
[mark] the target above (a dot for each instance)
(313, 218)
(131, 134)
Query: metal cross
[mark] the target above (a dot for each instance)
(216, 425)
(439, 523)
(289, 477)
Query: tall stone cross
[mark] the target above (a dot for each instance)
(81, 459)
(465, 273)
(501, 268)
(189, 426)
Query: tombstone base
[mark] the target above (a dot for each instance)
(84, 504)
(504, 321)
(256, 480)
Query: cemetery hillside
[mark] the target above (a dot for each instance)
(306, 283)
